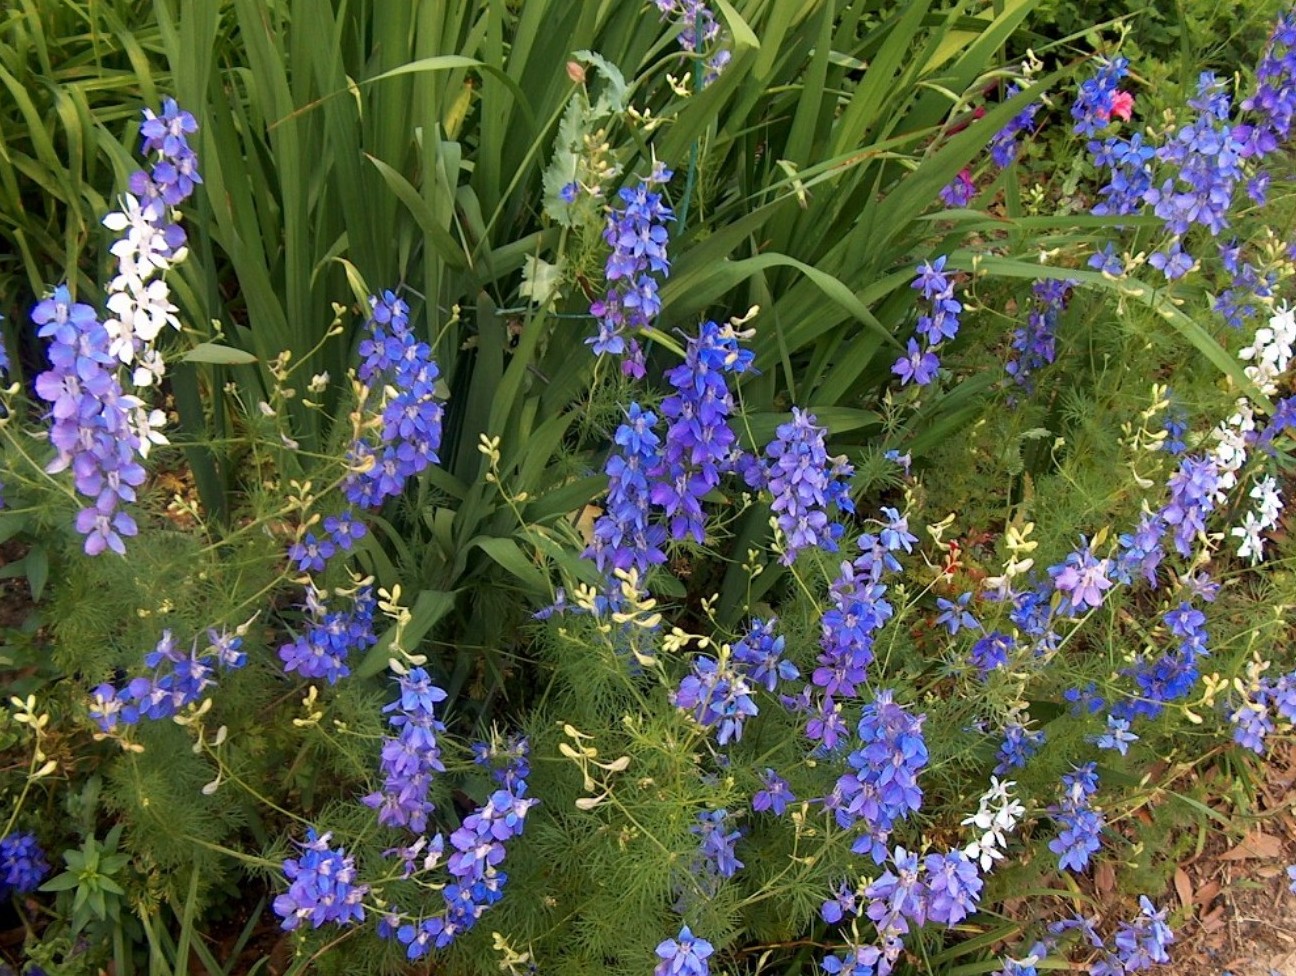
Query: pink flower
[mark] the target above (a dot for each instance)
(1122, 105)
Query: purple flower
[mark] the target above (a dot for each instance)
(716, 856)
(410, 759)
(804, 480)
(960, 191)
(638, 237)
(774, 794)
(953, 887)
(916, 366)
(1082, 580)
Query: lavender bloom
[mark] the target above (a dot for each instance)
(760, 653)
(322, 888)
(1018, 745)
(991, 652)
(1081, 824)
(322, 651)
(179, 680)
(1209, 165)
(1118, 735)
(1141, 943)
(1033, 344)
(882, 787)
(625, 537)
(896, 899)
(855, 960)
(1192, 492)
(685, 956)
(401, 376)
(478, 851)
(22, 864)
(804, 481)
(1082, 580)
(775, 794)
(638, 236)
(960, 191)
(716, 857)
(717, 694)
(1273, 102)
(93, 422)
(940, 322)
(955, 616)
(1003, 147)
(410, 759)
(953, 887)
(1094, 103)
(700, 444)
(841, 904)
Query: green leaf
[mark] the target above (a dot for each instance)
(217, 355)
(429, 607)
(508, 554)
(37, 561)
(62, 882)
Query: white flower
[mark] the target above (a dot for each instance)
(1252, 545)
(145, 424)
(1269, 497)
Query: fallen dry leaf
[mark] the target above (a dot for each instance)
(1183, 887)
(1207, 893)
(1256, 844)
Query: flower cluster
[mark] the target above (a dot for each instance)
(698, 31)
(1003, 147)
(804, 481)
(1208, 165)
(179, 679)
(859, 610)
(22, 864)
(1273, 103)
(882, 787)
(1081, 824)
(1137, 944)
(1082, 580)
(477, 851)
(1034, 344)
(940, 323)
(1267, 701)
(1018, 745)
(637, 234)
(1100, 98)
(717, 693)
(412, 756)
(323, 649)
(401, 376)
(716, 857)
(700, 445)
(98, 430)
(152, 242)
(625, 536)
(323, 886)
(997, 816)
(96, 427)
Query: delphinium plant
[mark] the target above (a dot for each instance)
(945, 672)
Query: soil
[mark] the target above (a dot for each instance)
(1243, 911)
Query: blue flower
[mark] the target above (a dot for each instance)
(322, 886)
(685, 956)
(22, 864)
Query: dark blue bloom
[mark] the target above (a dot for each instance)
(22, 864)
(322, 886)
